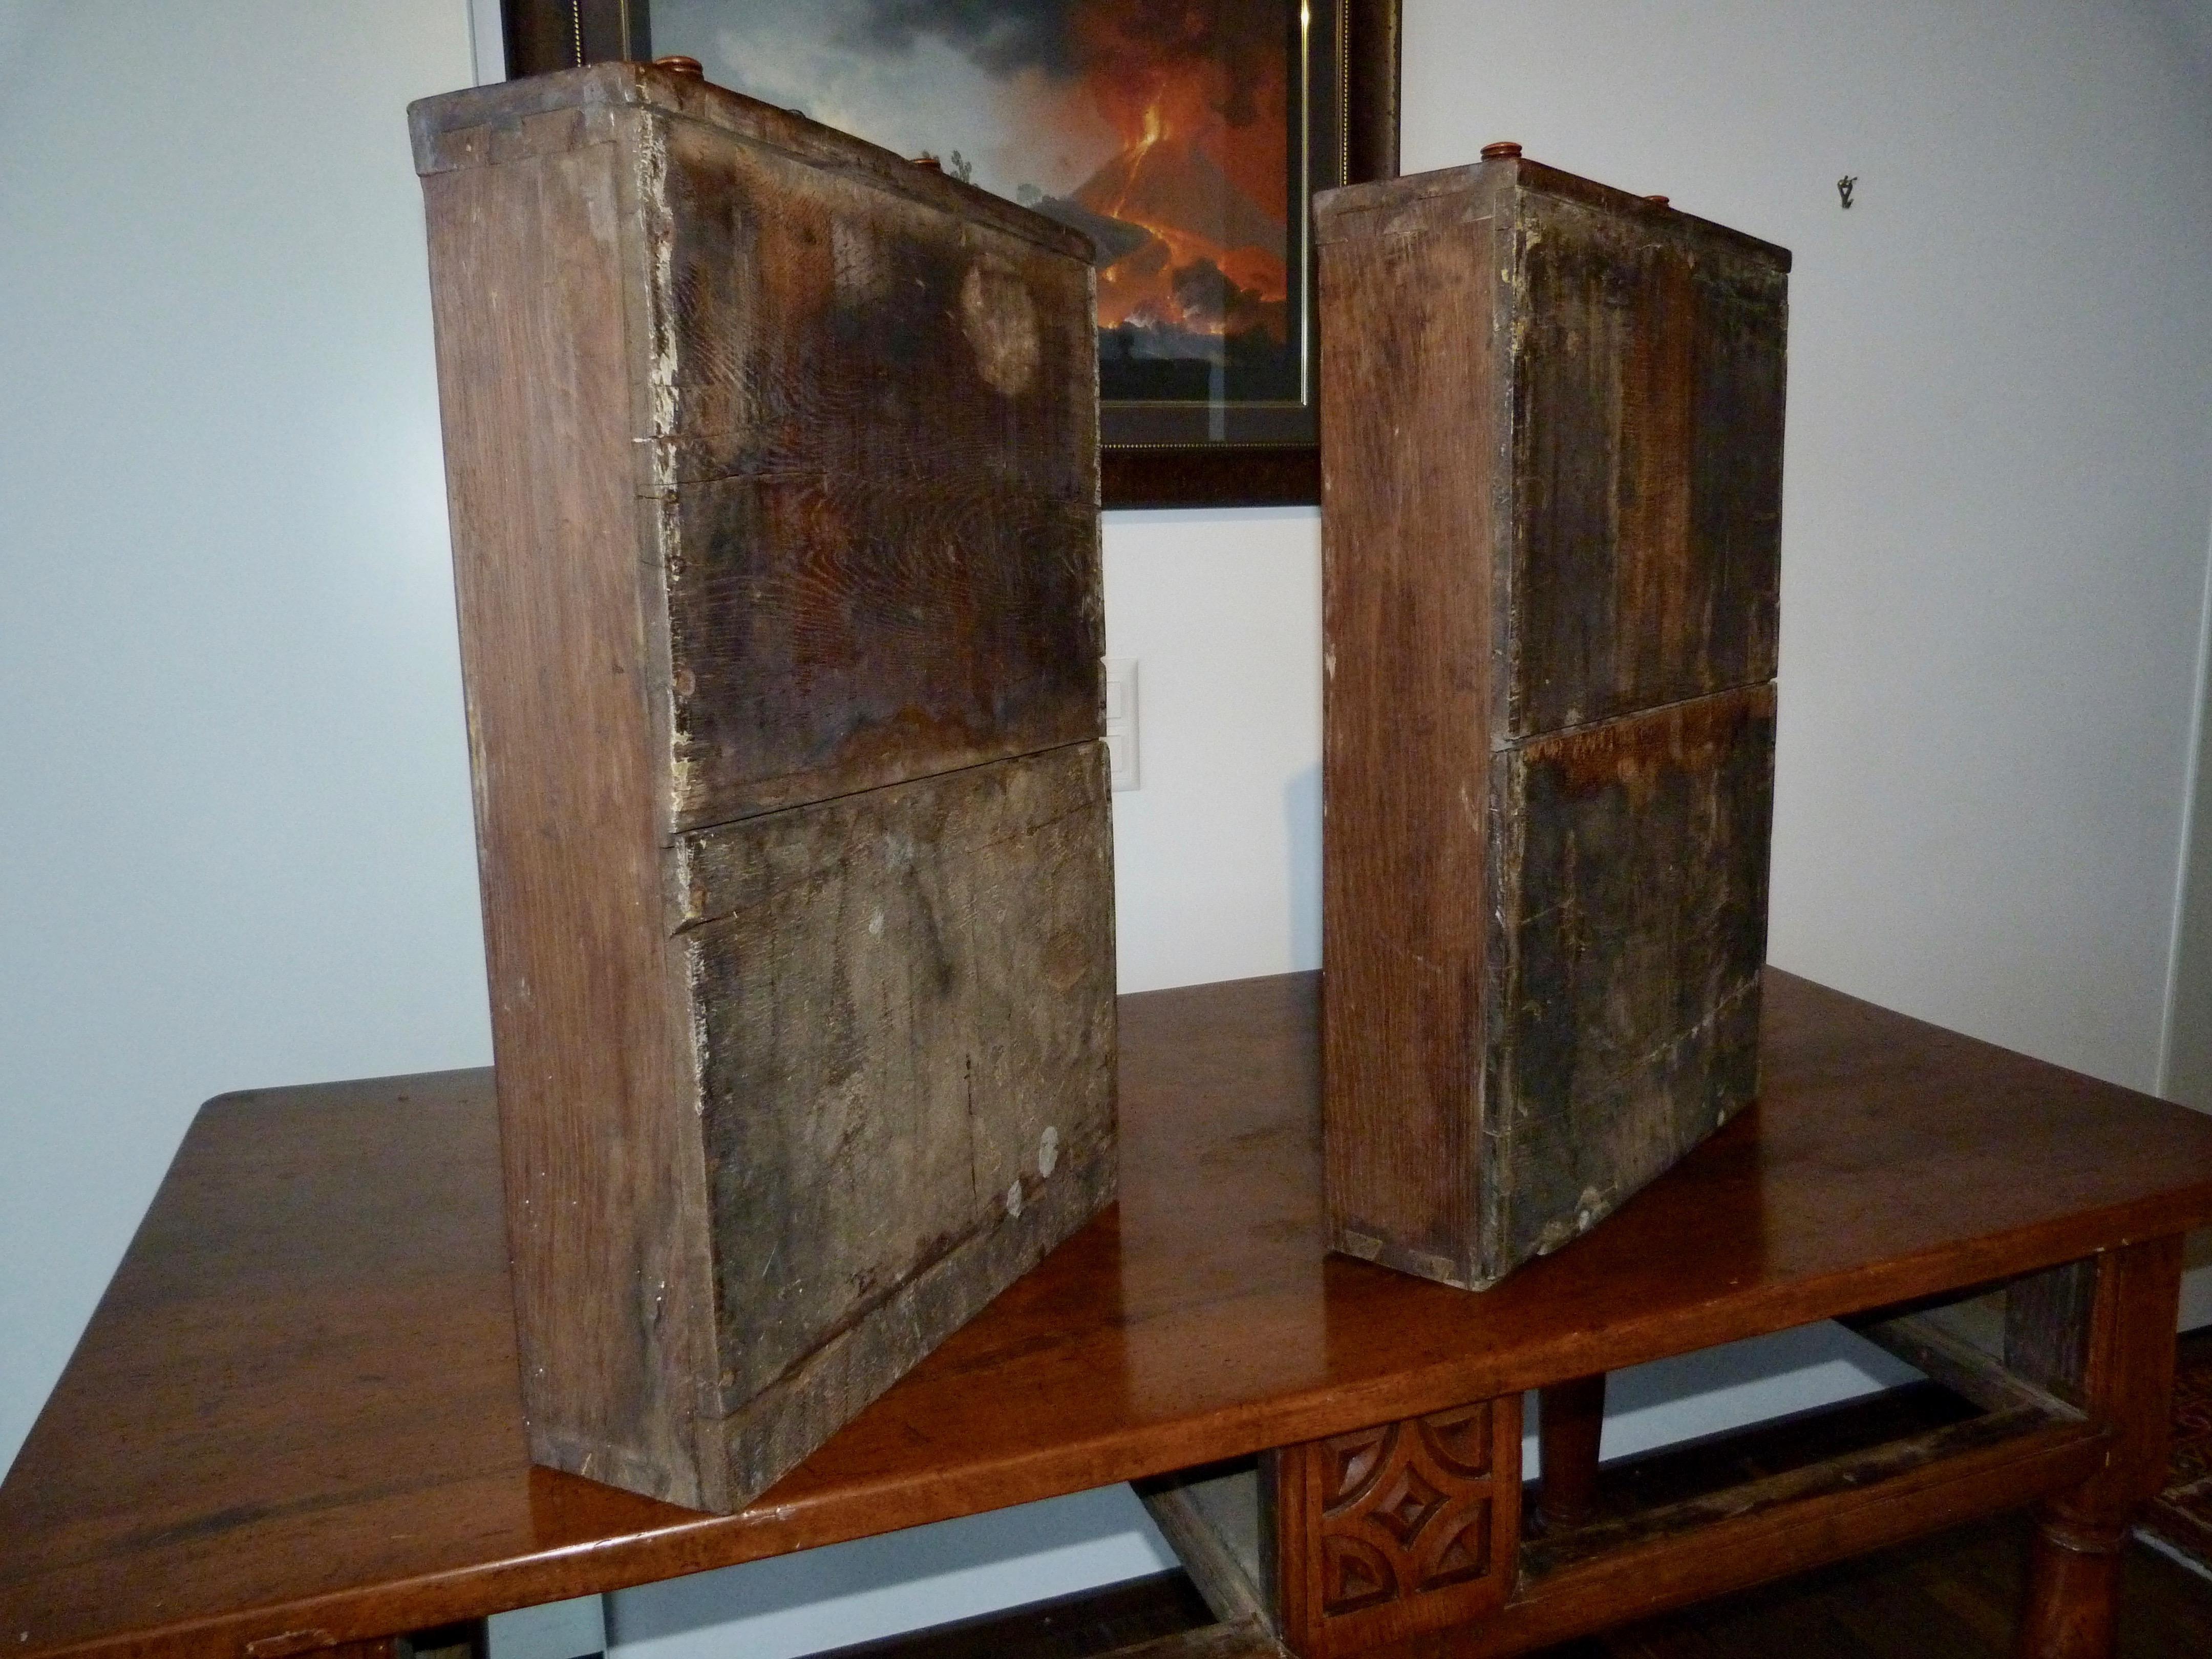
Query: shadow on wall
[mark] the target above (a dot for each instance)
(1302, 826)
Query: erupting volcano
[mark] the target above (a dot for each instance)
(1211, 257)
(1161, 128)
(1191, 214)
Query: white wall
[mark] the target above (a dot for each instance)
(1217, 857)
(1996, 482)
(235, 812)
(235, 817)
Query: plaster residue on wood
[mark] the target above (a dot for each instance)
(1000, 319)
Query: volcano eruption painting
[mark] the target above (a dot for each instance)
(1175, 133)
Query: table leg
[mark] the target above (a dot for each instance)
(2101, 1332)
(1570, 1418)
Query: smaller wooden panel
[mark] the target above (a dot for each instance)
(906, 1044)
(1648, 372)
(1631, 906)
(535, 391)
(877, 419)
(2046, 1326)
(1408, 389)
(1388, 1532)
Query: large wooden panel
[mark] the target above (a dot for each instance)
(1628, 958)
(880, 428)
(773, 480)
(947, 944)
(534, 376)
(1550, 526)
(1647, 466)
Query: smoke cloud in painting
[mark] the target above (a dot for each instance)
(1160, 127)
(1188, 187)
(1003, 36)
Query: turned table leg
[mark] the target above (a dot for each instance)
(1570, 1418)
(2100, 1333)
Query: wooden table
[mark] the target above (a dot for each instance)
(293, 1422)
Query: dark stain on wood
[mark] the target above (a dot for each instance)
(940, 942)
(773, 468)
(883, 453)
(1647, 433)
(1551, 534)
(1627, 957)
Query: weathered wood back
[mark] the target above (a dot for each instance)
(773, 467)
(1552, 496)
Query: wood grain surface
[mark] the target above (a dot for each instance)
(562, 633)
(1628, 927)
(1400, 1529)
(773, 461)
(880, 434)
(946, 947)
(295, 1410)
(1648, 375)
(1551, 553)
(1407, 597)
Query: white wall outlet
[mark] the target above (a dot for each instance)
(1121, 720)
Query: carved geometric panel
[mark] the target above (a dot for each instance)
(1401, 1528)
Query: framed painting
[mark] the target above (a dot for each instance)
(1185, 138)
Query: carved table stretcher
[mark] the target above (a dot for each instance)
(293, 1422)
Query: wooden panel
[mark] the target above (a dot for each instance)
(296, 1406)
(1648, 372)
(1408, 406)
(1550, 543)
(1211, 1522)
(1631, 905)
(948, 945)
(535, 388)
(1395, 1530)
(774, 482)
(2046, 1326)
(879, 432)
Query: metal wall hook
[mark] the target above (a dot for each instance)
(1845, 186)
